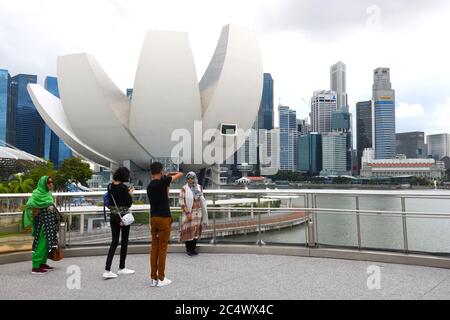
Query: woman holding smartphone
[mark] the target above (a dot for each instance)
(120, 202)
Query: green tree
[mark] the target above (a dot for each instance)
(4, 188)
(289, 176)
(21, 184)
(318, 180)
(448, 175)
(44, 169)
(73, 169)
(342, 180)
(420, 181)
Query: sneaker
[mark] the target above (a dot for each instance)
(38, 271)
(194, 253)
(47, 267)
(189, 254)
(153, 283)
(109, 275)
(125, 271)
(165, 282)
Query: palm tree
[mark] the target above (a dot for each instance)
(4, 188)
(20, 185)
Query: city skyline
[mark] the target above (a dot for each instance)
(298, 48)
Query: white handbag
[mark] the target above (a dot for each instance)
(126, 219)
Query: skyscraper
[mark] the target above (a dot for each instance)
(25, 125)
(438, 145)
(334, 156)
(304, 159)
(47, 131)
(293, 136)
(341, 122)
(4, 101)
(411, 144)
(303, 126)
(58, 150)
(288, 138)
(323, 104)
(363, 128)
(310, 153)
(247, 153)
(383, 115)
(50, 138)
(270, 151)
(338, 83)
(265, 114)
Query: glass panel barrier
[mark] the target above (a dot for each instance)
(380, 230)
(336, 228)
(262, 217)
(284, 221)
(429, 232)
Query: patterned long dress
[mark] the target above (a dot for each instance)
(46, 220)
(45, 231)
(190, 229)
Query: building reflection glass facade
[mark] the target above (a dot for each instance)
(57, 149)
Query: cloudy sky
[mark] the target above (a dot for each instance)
(299, 39)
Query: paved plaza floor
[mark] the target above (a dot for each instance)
(225, 277)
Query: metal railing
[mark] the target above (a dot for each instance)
(229, 223)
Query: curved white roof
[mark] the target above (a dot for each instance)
(231, 88)
(165, 94)
(97, 120)
(97, 110)
(15, 154)
(51, 110)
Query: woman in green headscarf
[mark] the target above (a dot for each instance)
(42, 217)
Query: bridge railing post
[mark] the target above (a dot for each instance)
(214, 238)
(260, 241)
(358, 222)
(311, 221)
(81, 223)
(405, 227)
(62, 234)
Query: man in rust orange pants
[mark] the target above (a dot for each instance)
(160, 221)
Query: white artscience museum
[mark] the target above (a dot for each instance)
(97, 120)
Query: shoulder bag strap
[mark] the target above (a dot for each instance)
(114, 200)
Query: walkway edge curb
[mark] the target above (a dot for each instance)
(369, 256)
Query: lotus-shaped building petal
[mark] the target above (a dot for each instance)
(97, 120)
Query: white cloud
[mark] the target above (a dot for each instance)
(439, 118)
(34, 32)
(325, 20)
(406, 111)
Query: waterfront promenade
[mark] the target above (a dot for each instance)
(228, 276)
